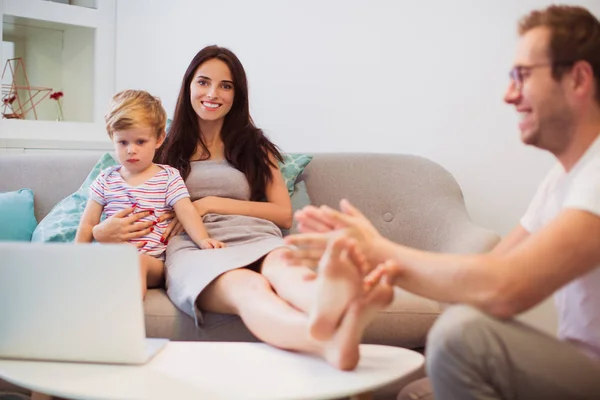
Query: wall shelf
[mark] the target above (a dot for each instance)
(48, 11)
(24, 135)
(56, 56)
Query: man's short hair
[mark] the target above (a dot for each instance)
(575, 36)
(134, 108)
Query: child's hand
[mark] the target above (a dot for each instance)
(211, 244)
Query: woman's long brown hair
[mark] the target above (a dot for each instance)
(246, 146)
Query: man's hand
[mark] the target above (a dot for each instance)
(388, 272)
(122, 227)
(318, 224)
(311, 219)
(311, 249)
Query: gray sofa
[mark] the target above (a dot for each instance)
(409, 199)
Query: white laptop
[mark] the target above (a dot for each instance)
(72, 302)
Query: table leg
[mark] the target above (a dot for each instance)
(40, 396)
(363, 396)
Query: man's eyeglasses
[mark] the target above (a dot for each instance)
(516, 74)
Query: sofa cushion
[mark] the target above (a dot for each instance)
(404, 323)
(61, 223)
(17, 220)
(164, 320)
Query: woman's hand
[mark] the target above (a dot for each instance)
(122, 227)
(173, 229)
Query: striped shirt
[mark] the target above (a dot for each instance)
(159, 194)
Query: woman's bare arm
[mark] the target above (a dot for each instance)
(277, 208)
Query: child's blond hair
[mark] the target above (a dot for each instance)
(134, 108)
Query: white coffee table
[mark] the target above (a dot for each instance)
(216, 370)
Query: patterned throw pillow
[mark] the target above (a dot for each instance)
(293, 165)
(60, 225)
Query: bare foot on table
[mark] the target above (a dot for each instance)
(343, 350)
(338, 283)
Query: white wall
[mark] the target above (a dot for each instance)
(77, 74)
(381, 76)
(394, 76)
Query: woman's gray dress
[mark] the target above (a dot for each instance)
(190, 269)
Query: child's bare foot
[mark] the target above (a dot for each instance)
(343, 350)
(338, 282)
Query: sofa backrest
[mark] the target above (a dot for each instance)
(408, 198)
(51, 176)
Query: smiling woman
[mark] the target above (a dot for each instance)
(212, 90)
(232, 173)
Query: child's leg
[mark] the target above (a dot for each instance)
(152, 272)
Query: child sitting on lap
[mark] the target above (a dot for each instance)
(136, 124)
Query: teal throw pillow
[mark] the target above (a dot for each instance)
(17, 219)
(61, 223)
(293, 165)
